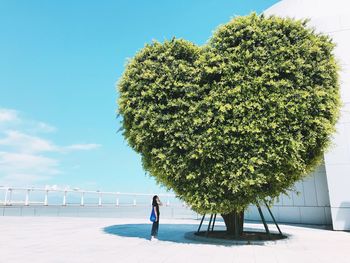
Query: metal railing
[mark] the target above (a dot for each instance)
(8, 196)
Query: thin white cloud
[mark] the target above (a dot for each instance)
(42, 127)
(83, 147)
(24, 151)
(22, 142)
(22, 162)
(13, 119)
(22, 168)
(22, 179)
(8, 115)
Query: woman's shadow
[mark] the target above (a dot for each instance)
(167, 232)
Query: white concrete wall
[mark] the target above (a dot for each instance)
(309, 205)
(338, 158)
(331, 17)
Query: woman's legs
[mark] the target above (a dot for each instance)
(155, 226)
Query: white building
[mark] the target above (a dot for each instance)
(325, 195)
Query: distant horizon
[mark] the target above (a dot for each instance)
(60, 64)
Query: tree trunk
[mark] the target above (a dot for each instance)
(234, 223)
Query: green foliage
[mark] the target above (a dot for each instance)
(238, 120)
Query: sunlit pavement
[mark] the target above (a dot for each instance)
(64, 239)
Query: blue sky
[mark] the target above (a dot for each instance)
(59, 64)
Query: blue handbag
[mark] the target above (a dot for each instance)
(153, 216)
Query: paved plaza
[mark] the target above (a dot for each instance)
(68, 239)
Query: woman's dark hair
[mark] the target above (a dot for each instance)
(154, 202)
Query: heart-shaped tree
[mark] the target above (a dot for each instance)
(236, 121)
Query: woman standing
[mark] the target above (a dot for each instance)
(155, 205)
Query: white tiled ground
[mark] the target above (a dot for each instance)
(53, 239)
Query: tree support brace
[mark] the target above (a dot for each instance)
(263, 220)
(200, 225)
(211, 218)
(212, 221)
(212, 228)
(273, 218)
